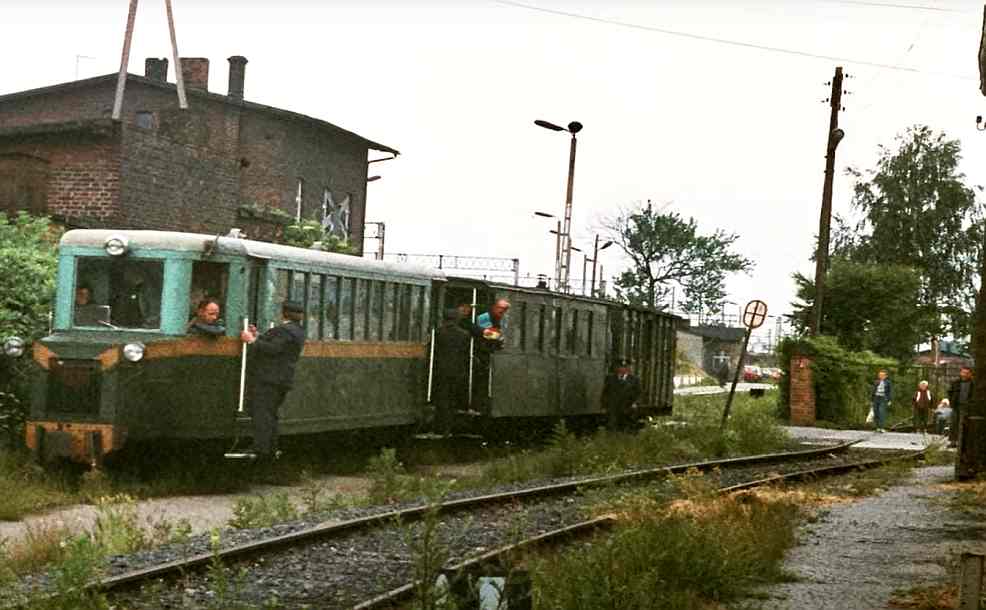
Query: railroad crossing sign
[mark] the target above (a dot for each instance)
(754, 314)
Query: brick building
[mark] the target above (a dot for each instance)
(222, 163)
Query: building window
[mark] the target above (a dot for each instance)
(298, 198)
(145, 119)
(336, 217)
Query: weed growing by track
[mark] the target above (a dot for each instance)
(263, 511)
(692, 435)
(680, 555)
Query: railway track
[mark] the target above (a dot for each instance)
(340, 564)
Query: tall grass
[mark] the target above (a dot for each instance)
(692, 434)
(679, 556)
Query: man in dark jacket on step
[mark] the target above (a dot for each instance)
(620, 393)
(271, 361)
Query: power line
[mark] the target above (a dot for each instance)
(726, 41)
(917, 7)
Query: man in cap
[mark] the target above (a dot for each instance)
(620, 393)
(451, 387)
(271, 361)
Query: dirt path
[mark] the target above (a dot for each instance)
(203, 512)
(858, 554)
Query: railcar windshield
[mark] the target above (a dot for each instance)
(118, 293)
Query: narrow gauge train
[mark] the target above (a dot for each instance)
(120, 367)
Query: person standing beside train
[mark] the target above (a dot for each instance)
(451, 389)
(621, 389)
(271, 361)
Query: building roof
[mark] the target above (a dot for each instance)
(192, 92)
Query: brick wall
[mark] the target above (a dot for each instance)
(802, 399)
(82, 173)
(277, 152)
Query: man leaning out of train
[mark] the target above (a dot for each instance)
(271, 361)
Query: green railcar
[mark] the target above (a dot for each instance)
(121, 366)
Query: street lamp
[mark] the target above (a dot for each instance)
(557, 234)
(564, 264)
(595, 259)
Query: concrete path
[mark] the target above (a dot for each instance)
(871, 440)
(714, 389)
(858, 554)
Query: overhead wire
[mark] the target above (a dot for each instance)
(728, 42)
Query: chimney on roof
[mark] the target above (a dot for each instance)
(156, 69)
(195, 72)
(237, 72)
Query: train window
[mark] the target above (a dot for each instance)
(522, 335)
(346, 308)
(298, 286)
(281, 290)
(121, 293)
(313, 307)
(539, 339)
(389, 311)
(573, 331)
(417, 307)
(360, 297)
(330, 307)
(375, 311)
(404, 313)
(557, 328)
(589, 328)
(208, 282)
(425, 310)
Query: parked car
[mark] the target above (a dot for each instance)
(751, 373)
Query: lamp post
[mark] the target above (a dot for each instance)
(564, 266)
(557, 233)
(595, 259)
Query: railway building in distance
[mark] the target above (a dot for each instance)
(224, 162)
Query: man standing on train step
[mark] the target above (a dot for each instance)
(621, 389)
(271, 361)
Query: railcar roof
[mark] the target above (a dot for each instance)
(545, 292)
(198, 242)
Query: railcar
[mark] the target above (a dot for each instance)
(122, 368)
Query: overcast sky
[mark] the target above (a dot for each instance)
(732, 134)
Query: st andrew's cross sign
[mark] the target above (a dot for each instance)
(754, 314)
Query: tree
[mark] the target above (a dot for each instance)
(28, 262)
(867, 307)
(667, 251)
(917, 212)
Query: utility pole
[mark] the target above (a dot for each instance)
(835, 135)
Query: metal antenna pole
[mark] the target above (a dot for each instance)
(121, 80)
(567, 228)
(179, 79)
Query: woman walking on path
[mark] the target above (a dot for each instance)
(881, 394)
(921, 405)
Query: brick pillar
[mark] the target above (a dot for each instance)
(195, 72)
(802, 399)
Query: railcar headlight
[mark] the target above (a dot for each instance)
(116, 245)
(13, 347)
(133, 352)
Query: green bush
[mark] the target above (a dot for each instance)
(843, 380)
(28, 262)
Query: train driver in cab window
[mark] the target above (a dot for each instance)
(206, 321)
